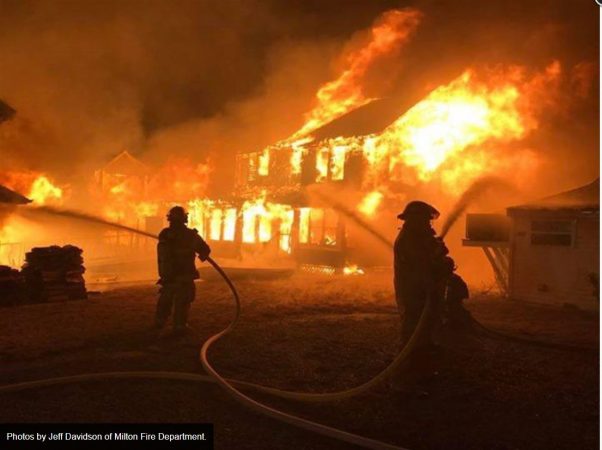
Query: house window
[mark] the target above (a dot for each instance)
(304, 214)
(253, 166)
(318, 227)
(263, 163)
(552, 232)
(215, 225)
(330, 163)
(229, 229)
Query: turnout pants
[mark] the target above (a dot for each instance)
(411, 303)
(176, 295)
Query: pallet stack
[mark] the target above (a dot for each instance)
(12, 286)
(54, 274)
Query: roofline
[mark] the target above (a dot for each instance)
(560, 210)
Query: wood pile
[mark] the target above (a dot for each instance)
(12, 286)
(54, 274)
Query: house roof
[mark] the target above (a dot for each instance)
(126, 164)
(370, 118)
(9, 196)
(584, 198)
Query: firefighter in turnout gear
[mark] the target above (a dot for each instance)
(421, 271)
(176, 251)
(455, 315)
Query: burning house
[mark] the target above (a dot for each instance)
(272, 211)
(374, 154)
(546, 251)
(368, 153)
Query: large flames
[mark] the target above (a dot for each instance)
(463, 114)
(44, 192)
(450, 136)
(260, 221)
(131, 194)
(40, 188)
(469, 127)
(346, 92)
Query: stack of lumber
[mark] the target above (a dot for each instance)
(54, 274)
(12, 286)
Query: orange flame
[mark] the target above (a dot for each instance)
(450, 119)
(433, 137)
(132, 198)
(464, 114)
(353, 269)
(37, 187)
(259, 219)
(346, 93)
(370, 203)
(44, 192)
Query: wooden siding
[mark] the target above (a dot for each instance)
(555, 274)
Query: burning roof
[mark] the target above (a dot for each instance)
(126, 164)
(368, 119)
(12, 197)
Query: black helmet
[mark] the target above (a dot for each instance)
(177, 214)
(418, 209)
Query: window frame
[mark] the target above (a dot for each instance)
(570, 231)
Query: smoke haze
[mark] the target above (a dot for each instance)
(206, 77)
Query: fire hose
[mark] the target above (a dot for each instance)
(474, 191)
(478, 326)
(229, 385)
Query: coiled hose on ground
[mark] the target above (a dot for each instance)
(229, 385)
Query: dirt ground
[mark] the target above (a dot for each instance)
(315, 334)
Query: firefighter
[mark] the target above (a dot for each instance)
(455, 315)
(420, 271)
(176, 251)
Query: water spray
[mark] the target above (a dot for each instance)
(29, 211)
(477, 189)
(473, 193)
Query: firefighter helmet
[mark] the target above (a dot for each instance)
(418, 209)
(177, 214)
